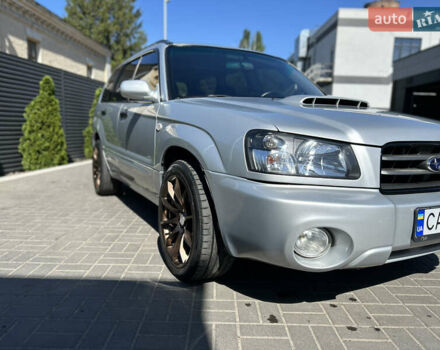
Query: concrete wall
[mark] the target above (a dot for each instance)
(54, 49)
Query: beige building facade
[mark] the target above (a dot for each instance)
(29, 30)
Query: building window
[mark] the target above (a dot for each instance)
(405, 46)
(32, 50)
(89, 71)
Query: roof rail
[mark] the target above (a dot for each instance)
(157, 42)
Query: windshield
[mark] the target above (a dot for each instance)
(199, 71)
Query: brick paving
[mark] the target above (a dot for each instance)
(82, 271)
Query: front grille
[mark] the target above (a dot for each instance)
(404, 170)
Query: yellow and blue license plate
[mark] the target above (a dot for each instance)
(427, 224)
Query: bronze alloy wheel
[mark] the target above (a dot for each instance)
(176, 221)
(96, 165)
(188, 241)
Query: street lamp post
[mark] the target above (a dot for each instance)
(165, 2)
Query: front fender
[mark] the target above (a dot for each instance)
(194, 140)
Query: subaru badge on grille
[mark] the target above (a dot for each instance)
(433, 164)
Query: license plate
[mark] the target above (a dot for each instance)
(427, 223)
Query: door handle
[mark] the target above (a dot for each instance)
(123, 114)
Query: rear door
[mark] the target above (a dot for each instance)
(137, 125)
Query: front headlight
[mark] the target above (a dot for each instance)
(287, 154)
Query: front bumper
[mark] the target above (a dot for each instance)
(262, 221)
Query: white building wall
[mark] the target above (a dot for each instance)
(377, 95)
(54, 49)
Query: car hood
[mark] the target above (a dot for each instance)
(369, 126)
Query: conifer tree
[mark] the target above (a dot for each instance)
(255, 45)
(115, 24)
(43, 143)
(87, 132)
(245, 42)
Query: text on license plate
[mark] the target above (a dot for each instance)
(428, 222)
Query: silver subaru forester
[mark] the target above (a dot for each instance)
(246, 158)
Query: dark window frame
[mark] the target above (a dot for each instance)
(413, 44)
(32, 42)
(89, 71)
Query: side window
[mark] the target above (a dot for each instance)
(148, 71)
(32, 50)
(109, 90)
(112, 91)
(126, 74)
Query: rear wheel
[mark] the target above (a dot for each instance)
(102, 180)
(188, 243)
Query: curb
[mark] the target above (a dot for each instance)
(44, 171)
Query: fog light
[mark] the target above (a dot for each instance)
(312, 243)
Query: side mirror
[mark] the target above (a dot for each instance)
(137, 90)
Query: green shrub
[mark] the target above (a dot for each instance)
(87, 132)
(43, 143)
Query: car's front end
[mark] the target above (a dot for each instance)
(364, 226)
(298, 179)
(319, 203)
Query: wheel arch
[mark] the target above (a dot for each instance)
(95, 137)
(97, 130)
(196, 142)
(174, 153)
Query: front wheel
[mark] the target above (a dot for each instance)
(188, 243)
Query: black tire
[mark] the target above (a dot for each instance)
(188, 242)
(104, 184)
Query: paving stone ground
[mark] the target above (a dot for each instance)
(82, 271)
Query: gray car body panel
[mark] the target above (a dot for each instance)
(261, 215)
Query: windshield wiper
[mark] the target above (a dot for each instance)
(218, 95)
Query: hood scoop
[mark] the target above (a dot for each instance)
(335, 102)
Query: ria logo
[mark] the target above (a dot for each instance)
(426, 19)
(433, 164)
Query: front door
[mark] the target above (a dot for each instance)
(137, 127)
(109, 112)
